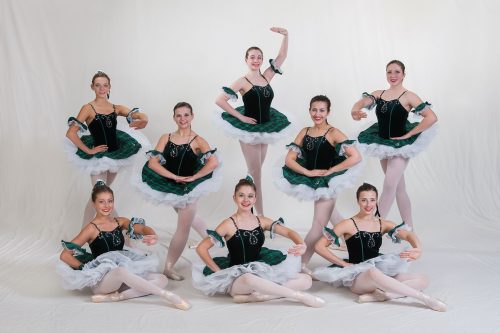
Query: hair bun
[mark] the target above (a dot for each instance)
(100, 183)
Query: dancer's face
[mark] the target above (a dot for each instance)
(254, 60)
(319, 112)
(104, 203)
(368, 202)
(395, 75)
(183, 117)
(101, 87)
(245, 198)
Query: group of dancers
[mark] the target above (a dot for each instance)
(320, 163)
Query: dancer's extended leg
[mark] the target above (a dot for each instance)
(113, 280)
(373, 279)
(249, 283)
(322, 212)
(185, 217)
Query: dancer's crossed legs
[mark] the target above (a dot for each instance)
(410, 285)
(251, 288)
(107, 289)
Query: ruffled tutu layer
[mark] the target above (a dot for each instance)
(93, 271)
(221, 281)
(131, 143)
(315, 188)
(160, 190)
(277, 128)
(389, 264)
(371, 144)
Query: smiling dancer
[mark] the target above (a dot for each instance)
(393, 139)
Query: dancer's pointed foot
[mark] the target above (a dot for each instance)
(171, 274)
(376, 296)
(434, 303)
(309, 300)
(176, 300)
(253, 297)
(112, 297)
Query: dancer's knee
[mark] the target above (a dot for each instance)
(305, 281)
(247, 278)
(160, 280)
(120, 271)
(373, 273)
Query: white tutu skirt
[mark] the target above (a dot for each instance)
(389, 264)
(94, 271)
(95, 166)
(254, 138)
(155, 197)
(303, 192)
(382, 151)
(221, 281)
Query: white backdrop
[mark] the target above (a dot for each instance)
(161, 52)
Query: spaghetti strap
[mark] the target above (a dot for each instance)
(258, 220)
(264, 78)
(355, 224)
(234, 222)
(95, 226)
(402, 94)
(93, 108)
(380, 224)
(116, 220)
(193, 139)
(328, 130)
(307, 130)
(248, 80)
(383, 91)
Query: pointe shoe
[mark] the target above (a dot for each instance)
(309, 300)
(253, 297)
(172, 275)
(434, 303)
(376, 296)
(100, 298)
(176, 300)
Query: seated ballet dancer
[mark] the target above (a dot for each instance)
(371, 275)
(252, 273)
(109, 266)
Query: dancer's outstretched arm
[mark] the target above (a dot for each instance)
(282, 54)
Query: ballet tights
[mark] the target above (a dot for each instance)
(254, 157)
(251, 288)
(403, 285)
(186, 218)
(395, 188)
(323, 210)
(107, 288)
